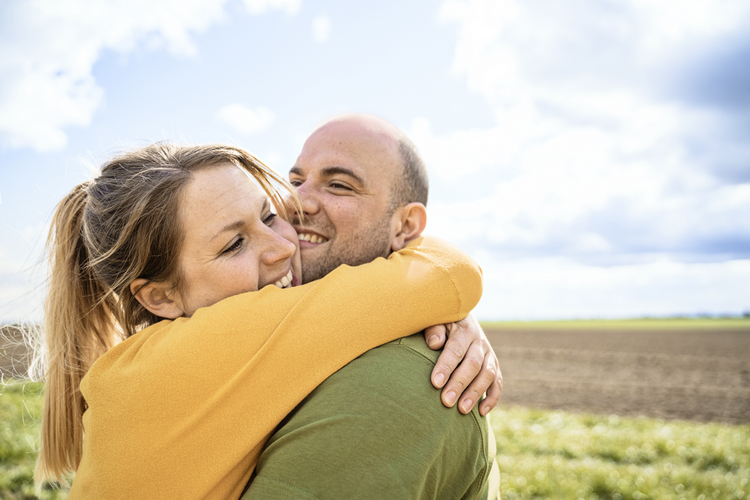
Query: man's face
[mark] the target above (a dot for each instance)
(343, 178)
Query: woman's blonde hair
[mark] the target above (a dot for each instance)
(107, 232)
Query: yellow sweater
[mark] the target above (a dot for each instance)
(183, 408)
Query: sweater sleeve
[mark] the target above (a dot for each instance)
(353, 309)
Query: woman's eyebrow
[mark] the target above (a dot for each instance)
(229, 227)
(238, 224)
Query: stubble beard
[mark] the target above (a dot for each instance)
(366, 245)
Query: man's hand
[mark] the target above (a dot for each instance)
(468, 363)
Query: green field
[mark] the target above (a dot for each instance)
(558, 455)
(20, 412)
(624, 324)
(541, 454)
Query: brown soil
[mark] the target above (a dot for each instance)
(697, 374)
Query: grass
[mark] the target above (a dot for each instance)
(20, 414)
(557, 455)
(541, 454)
(624, 324)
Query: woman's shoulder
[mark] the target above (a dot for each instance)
(126, 350)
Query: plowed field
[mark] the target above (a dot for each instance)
(700, 374)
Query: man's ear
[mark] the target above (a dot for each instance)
(407, 224)
(156, 298)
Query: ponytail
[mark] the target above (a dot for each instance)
(79, 326)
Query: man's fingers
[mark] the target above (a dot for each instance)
(493, 395)
(482, 383)
(469, 365)
(453, 353)
(435, 336)
(463, 377)
(495, 390)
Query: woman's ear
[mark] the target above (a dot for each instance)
(156, 298)
(410, 221)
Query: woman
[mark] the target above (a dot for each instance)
(149, 265)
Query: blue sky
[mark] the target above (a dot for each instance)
(593, 156)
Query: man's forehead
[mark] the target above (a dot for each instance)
(361, 149)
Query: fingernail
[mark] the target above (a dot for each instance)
(439, 379)
(432, 340)
(450, 398)
(466, 405)
(483, 410)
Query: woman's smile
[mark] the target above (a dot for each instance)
(289, 279)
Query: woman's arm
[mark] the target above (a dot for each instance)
(217, 384)
(353, 309)
(277, 339)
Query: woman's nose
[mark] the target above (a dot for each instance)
(278, 248)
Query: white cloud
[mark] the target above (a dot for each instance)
(584, 160)
(559, 48)
(321, 27)
(261, 6)
(598, 191)
(245, 120)
(48, 49)
(461, 153)
(579, 191)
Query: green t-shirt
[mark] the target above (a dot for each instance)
(377, 429)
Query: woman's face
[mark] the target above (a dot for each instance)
(234, 242)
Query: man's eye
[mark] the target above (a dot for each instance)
(269, 219)
(295, 182)
(235, 246)
(338, 185)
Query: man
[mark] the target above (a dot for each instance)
(375, 428)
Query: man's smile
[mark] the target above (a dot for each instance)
(310, 237)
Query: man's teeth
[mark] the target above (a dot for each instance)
(312, 238)
(285, 281)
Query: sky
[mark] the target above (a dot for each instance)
(592, 155)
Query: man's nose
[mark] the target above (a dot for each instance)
(308, 199)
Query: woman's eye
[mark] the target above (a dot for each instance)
(235, 246)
